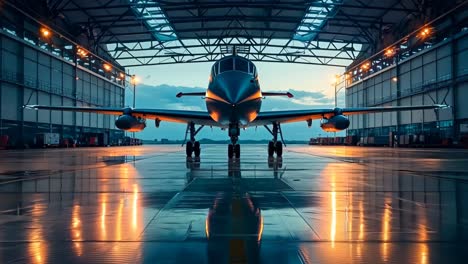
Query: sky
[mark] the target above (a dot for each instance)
(310, 84)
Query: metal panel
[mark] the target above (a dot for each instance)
(462, 105)
(444, 69)
(30, 72)
(378, 92)
(416, 78)
(31, 95)
(9, 104)
(93, 120)
(361, 101)
(9, 61)
(429, 115)
(445, 96)
(371, 95)
(100, 121)
(429, 72)
(429, 56)
(44, 59)
(387, 117)
(44, 76)
(67, 84)
(417, 116)
(405, 67)
(11, 45)
(405, 82)
(43, 116)
(78, 115)
(30, 53)
(86, 116)
(416, 62)
(444, 51)
(394, 90)
(405, 115)
(394, 115)
(378, 120)
(462, 43)
(386, 89)
(371, 120)
(462, 62)
(56, 115)
(67, 116)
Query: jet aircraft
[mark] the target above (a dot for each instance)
(233, 101)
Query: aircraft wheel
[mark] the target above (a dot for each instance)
(279, 149)
(271, 148)
(189, 149)
(230, 151)
(237, 151)
(197, 149)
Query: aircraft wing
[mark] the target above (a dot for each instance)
(288, 116)
(178, 116)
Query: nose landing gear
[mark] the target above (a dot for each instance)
(234, 148)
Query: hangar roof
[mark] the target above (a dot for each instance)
(323, 32)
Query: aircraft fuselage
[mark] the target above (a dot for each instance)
(233, 96)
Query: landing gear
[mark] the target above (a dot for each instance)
(234, 148)
(275, 146)
(192, 146)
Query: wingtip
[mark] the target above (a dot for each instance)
(442, 106)
(179, 95)
(290, 95)
(33, 107)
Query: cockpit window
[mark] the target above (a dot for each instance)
(226, 65)
(252, 69)
(242, 65)
(214, 70)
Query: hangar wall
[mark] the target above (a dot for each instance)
(36, 72)
(435, 75)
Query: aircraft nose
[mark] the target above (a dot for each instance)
(236, 86)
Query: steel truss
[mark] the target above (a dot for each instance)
(319, 32)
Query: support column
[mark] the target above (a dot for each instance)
(454, 84)
(397, 75)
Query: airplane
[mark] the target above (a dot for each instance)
(233, 101)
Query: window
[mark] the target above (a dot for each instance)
(225, 65)
(242, 65)
(214, 70)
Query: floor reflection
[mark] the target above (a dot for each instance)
(211, 210)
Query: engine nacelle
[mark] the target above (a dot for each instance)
(335, 123)
(130, 123)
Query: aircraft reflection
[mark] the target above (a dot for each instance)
(234, 221)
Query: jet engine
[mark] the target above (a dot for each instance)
(130, 123)
(335, 123)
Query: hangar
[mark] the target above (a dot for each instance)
(78, 53)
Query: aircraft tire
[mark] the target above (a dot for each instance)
(230, 151)
(271, 148)
(197, 149)
(279, 149)
(189, 149)
(237, 151)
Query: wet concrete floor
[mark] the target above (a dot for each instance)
(319, 204)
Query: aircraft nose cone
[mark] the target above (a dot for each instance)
(235, 86)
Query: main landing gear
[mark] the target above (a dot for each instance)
(275, 146)
(234, 148)
(192, 146)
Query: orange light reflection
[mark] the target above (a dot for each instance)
(386, 226)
